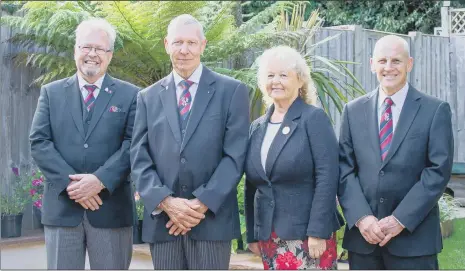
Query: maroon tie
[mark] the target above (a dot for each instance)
(386, 128)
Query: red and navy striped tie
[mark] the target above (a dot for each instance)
(185, 100)
(90, 99)
(386, 128)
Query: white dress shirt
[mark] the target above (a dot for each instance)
(398, 102)
(82, 82)
(195, 78)
(271, 131)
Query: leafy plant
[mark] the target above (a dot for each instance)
(14, 202)
(447, 206)
(37, 180)
(139, 206)
(342, 253)
(46, 36)
(240, 200)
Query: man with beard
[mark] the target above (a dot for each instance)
(80, 139)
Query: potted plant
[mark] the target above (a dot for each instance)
(447, 205)
(13, 203)
(137, 229)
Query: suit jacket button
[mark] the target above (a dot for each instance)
(184, 188)
(381, 200)
(86, 146)
(271, 203)
(381, 173)
(183, 160)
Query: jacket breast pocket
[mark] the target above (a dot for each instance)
(114, 115)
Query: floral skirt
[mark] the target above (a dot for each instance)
(278, 254)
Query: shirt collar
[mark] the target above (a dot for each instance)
(398, 98)
(83, 82)
(195, 77)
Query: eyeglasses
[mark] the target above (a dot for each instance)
(88, 49)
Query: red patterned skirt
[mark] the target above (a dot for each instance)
(278, 254)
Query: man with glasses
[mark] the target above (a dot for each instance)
(80, 139)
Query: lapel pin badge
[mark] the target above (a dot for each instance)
(286, 130)
(108, 91)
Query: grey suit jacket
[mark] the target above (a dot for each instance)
(296, 195)
(207, 164)
(408, 183)
(60, 147)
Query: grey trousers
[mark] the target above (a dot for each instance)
(186, 253)
(108, 248)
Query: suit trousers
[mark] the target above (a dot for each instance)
(381, 259)
(186, 253)
(108, 248)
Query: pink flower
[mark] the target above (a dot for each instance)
(38, 203)
(36, 182)
(32, 192)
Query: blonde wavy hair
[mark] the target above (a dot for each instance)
(296, 62)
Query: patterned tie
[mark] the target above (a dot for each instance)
(90, 99)
(386, 128)
(185, 100)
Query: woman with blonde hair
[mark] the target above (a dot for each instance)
(291, 170)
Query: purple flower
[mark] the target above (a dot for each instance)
(33, 172)
(32, 192)
(38, 203)
(36, 182)
(15, 171)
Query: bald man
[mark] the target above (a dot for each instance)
(396, 151)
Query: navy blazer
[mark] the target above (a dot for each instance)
(296, 195)
(207, 164)
(410, 180)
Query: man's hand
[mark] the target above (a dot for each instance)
(194, 204)
(182, 214)
(92, 203)
(197, 205)
(316, 247)
(85, 187)
(255, 248)
(390, 227)
(370, 230)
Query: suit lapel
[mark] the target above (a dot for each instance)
(168, 100)
(101, 102)
(256, 144)
(203, 96)
(407, 115)
(73, 99)
(371, 118)
(283, 136)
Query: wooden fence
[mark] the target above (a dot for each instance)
(439, 65)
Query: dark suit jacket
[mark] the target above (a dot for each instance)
(207, 164)
(60, 148)
(408, 183)
(297, 193)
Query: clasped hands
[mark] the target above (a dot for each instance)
(84, 189)
(379, 232)
(184, 214)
